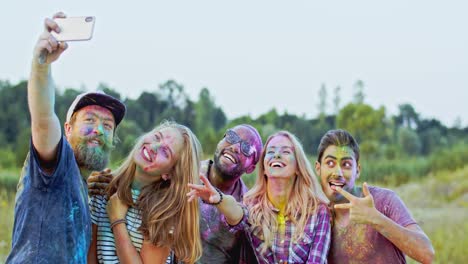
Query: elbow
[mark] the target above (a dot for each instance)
(429, 255)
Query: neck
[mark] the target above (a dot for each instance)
(278, 191)
(226, 186)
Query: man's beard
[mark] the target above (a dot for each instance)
(91, 158)
(226, 174)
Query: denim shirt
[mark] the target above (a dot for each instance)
(52, 219)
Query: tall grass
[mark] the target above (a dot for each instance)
(440, 205)
(7, 203)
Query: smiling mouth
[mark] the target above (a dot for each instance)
(277, 164)
(333, 185)
(230, 157)
(95, 142)
(146, 154)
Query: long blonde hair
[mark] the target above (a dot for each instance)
(303, 202)
(167, 218)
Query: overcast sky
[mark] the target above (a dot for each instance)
(258, 54)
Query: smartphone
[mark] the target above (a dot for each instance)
(74, 28)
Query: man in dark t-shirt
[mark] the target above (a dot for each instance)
(52, 221)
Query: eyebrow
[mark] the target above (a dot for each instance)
(93, 113)
(166, 146)
(333, 157)
(281, 147)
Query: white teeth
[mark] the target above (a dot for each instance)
(277, 164)
(229, 157)
(145, 152)
(336, 183)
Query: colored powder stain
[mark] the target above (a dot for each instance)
(82, 250)
(71, 216)
(87, 130)
(353, 240)
(281, 219)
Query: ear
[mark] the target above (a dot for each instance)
(358, 170)
(317, 168)
(250, 169)
(166, 176)
(67, 128)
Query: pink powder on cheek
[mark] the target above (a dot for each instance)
(86, 130)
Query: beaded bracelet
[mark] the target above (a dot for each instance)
(116, 222)
(220, 196)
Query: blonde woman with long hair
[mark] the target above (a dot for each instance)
(147, 214)
(285, 213)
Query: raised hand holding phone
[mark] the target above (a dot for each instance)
(74, 28)
(60, 29)
(47, 48)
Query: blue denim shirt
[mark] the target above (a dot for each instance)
(52, 220)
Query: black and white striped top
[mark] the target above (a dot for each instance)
(106, 251)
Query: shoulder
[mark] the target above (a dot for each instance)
(322, 211)
(382, 193)
(387, 200)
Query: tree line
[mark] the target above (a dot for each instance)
(387, 141)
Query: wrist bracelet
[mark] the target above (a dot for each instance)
(220, 196)
(116, 222)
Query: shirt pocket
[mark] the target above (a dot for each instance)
(299, 252)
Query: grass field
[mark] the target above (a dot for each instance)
(438, 202)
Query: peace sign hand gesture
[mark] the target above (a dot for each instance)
(207, 192)
(361, 209)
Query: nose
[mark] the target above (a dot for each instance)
(338, 172)
(99, 129)
(235, 147)
(277, 154)
(156, 145)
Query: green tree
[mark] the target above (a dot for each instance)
(359, 92)
(407, 116)
(336, 99)
(322, 105)
(127, 133)
(409, 141)
(366, 124)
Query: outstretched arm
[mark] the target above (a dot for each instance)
(410, 239)
(226, 204)
(45, 125)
